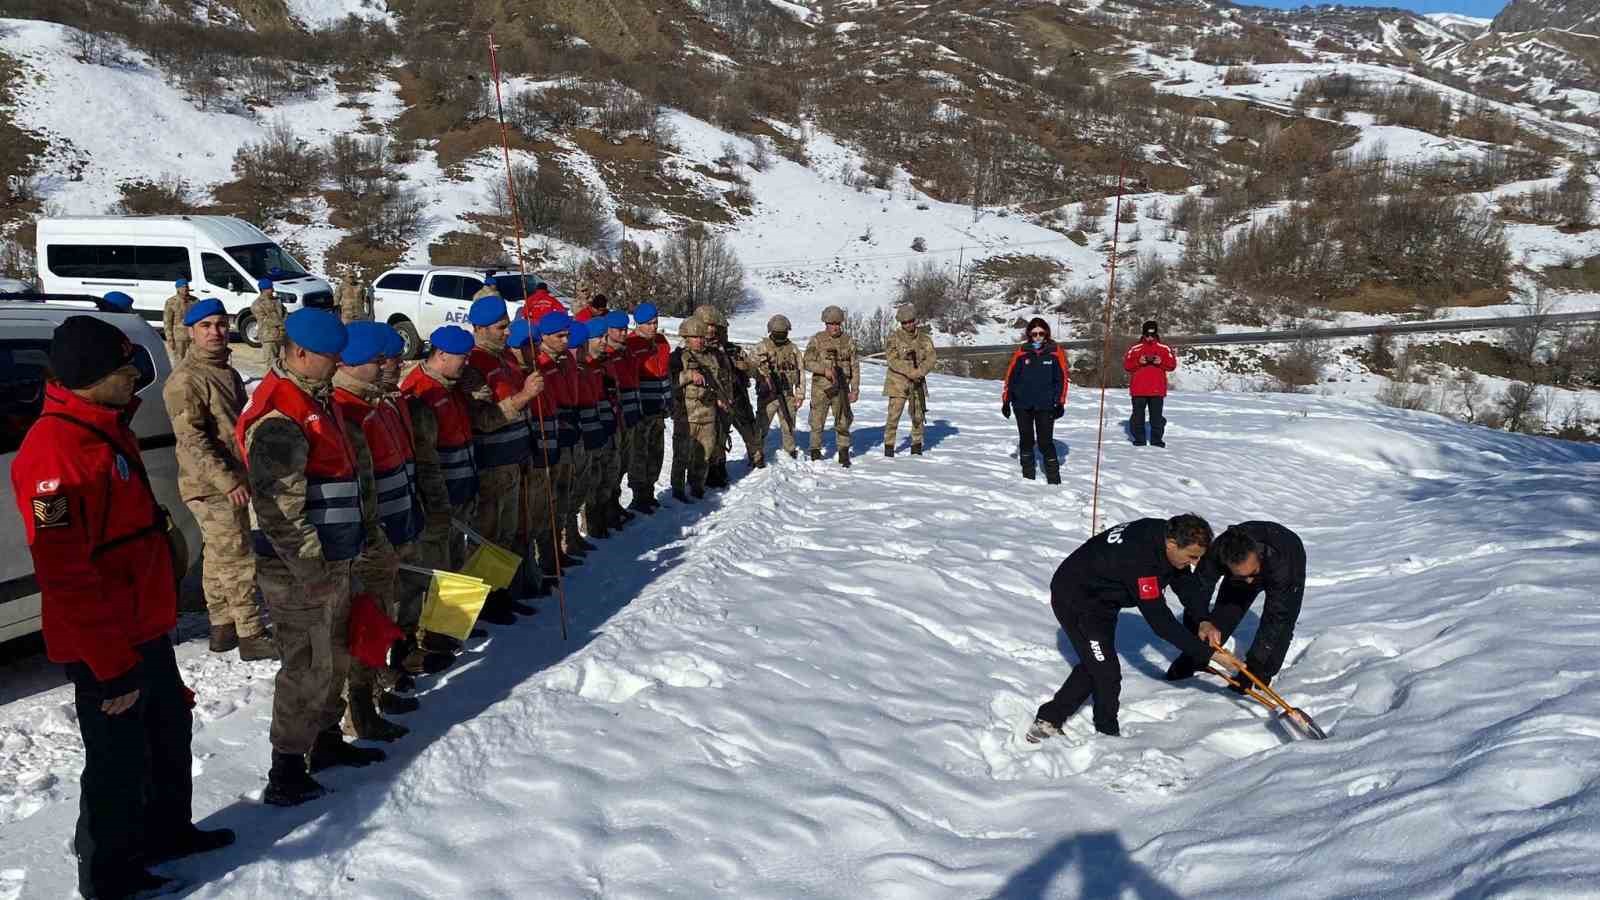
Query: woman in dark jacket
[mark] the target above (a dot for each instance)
(1036, 388)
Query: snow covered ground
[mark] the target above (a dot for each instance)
(812, 686)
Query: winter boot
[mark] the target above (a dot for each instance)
(224, 638)
(361, 720)
(1181, 668)
(619, 516)
(642, 503)
(717, 477)
(1042, 731)
(258, 646)
(406, 682)
(844, 457)
(1027, 468)
(816, 456)
(599, 527)
(433, 642)
(496, 610)
(679, 495)
(698, 491)
(331, 750)
(188, 841)
(888, 450)
(288, 783)
(759, 462)
(1052, 471)
(916, 449)
(392, 704)
(793, 454)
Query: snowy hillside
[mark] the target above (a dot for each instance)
(812, 687)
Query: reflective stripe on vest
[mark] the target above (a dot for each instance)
(508, 445)
(333, 495)
(631, 410)
(399, 500)
(655, 394)
(454, 440)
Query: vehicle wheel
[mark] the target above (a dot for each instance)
(408, 333)
(249, 330)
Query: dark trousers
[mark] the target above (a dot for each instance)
(1036, 427)
(1098, 674)
(1233, 601)
(1158, 424)
(137, 782)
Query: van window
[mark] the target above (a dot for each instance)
(118, 262)
(454, 287)
(261, 259)
(399, 281)
(22, 373)
(220, 274)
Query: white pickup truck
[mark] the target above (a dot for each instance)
(417, 299)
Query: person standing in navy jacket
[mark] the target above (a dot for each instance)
(1148, 362)
(1036, 389)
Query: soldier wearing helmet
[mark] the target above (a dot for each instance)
(699, 398)
(835, 370)
(909, 354)
(738, 368)
(780, 386)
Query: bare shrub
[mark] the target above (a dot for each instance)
(1236, 75)
(704, 269)
(550, 202)
(1523, 340)
(1407, 387)
(1521, 408)
(280, 163)
(387, 214)
(920, 245)
(168, 195)
(938, 295)
(355, 163)
(870, 333)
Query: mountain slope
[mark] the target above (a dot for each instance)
(812, 686)
(1568, 15)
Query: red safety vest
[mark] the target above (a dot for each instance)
(509, 445)
(399, 500)
(454, 443)
(333, 494)
(652, 357)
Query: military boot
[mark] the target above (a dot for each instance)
(844, 457)
(224, 638)
(392, 704)
(916, 449)
(361, 720)
(888, 450)
(258, 646)
(331, 750)
(288, 783)
(642, 504)
(795, 454)
(816, 456)
(597, 523)
(1052, 471)
(679, 495)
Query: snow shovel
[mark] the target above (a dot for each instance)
(1263, 693)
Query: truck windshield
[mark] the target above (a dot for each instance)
(261, 260)
(511, 289)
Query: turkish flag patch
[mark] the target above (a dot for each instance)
(1149, 589)
(50, 511)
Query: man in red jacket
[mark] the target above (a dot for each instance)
(1148, 362)
(106, 575)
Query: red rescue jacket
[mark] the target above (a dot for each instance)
(539, 303)
(97, 536)
(1149, 379)
(393, 466)
(653, 359)
(454, 442)
(510, 445)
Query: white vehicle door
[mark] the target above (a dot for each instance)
(447, 298)
(221, 278)
(395, 294)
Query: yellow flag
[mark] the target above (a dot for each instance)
(494, 564)
(453, 604)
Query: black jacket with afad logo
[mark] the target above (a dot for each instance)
(1124, 567)
(1282, 576)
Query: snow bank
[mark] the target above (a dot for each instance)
(812, 685)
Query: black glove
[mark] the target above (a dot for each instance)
(1005, 408)
(1059, 410)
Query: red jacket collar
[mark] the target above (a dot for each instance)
(111, 419)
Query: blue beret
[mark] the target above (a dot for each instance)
(181, 282)
(119, 300)
(519, 335)
(451, 339)
(554, 322)
(365, 344)
(264, 284)
(205, 309)
(577, 333)
(486, 311)
(316, 330)
(644, 312)
(617, 319)
(393, 344)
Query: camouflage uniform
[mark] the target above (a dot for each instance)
(695, 410)
(308, 595)
(823, 354)
(910, 358)
(354, 303)
(735, 370)
(269, 315)
(204, 396)
(783, 358)
(486, 291)
(173, 331)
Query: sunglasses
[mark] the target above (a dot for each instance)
(1036, 334)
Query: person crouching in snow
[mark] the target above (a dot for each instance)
(1126, 566)
(1035, 388)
